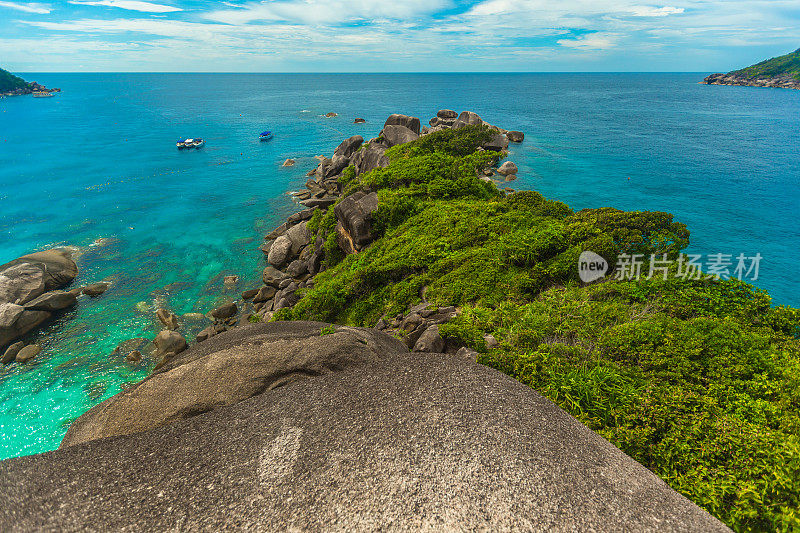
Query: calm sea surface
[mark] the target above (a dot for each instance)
(96, 168)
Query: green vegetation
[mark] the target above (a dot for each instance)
(788, 65)
(254, 319)
(9, 82)
(327, 330)
(699, 380)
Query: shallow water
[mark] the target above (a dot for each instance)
(98, 161)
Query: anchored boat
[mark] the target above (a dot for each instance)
(265, 136)
(184, 144)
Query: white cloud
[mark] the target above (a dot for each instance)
(326, 11)
(592, 41)
(650, 11)
(39, 9)
(131, 5)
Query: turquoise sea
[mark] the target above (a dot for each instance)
(96, 168)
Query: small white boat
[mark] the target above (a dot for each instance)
(198, 143)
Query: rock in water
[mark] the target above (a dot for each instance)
(22, 283)
(507, 168)
(168, 319)
(288, 163)
(515, 136)
(446, 114)
(10, 354)
(95, 289)
(226, 311)
(169, 342)
(53, 301)
(28, 353)
(276, 427)
(331, 114)
(359, 121)
(411, 123)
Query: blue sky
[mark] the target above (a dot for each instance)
(394, 35)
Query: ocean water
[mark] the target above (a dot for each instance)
(96, 168)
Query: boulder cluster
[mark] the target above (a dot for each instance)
(31, 294)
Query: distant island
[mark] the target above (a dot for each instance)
(782, 72)
(11, 85)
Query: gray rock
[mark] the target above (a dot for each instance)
(277, 232)
(134, 357)
(28, 352)
(430, 341)
(249, 294)
(507, 168)
(322, 203)
(21, 283)
(511, 177)
(411, 123)
(467, 353)
(491, 341)
(280, 251)
(95, 289)
(59, 270)
(262, 423)
(230, 282)
(515, 136)
(354, 215)
(359, 121)
(11, 352)
(168, 319)
(370, 158)
(21, 323)
(297, 268)
(53, 301)
(498, 143)
(225, 311)
(394, 135)
(169, 342)
(9, 314)
(288, 163)
(210, 376)
(299, 237)
(300, 216)
(467, 118)
(447, 113)
(265, 293)
(349, 146)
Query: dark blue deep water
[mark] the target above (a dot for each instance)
(96, 168)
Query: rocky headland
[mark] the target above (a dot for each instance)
(11, 85)
(779, 72)
(278, 416)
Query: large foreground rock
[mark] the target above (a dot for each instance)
(341, 432)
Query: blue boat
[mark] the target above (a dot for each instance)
(266, 135)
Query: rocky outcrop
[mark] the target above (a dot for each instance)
(354, 217)
(411, 123)
(299, 430)
(369, 158)
(733, 78)
(395, 134)
(507, 168)
(29, 292)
